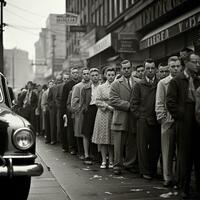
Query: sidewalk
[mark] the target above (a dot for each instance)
(46, 187)
(82, 182)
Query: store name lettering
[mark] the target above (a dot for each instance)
(159, 37)
(158, 9)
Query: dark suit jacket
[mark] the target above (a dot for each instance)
(51, 99)
(197, 108)
(177, 95)
(143, 101)
(67, 87)
(33, 102)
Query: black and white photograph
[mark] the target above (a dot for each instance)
(99, 99)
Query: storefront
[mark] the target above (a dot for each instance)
(173, 36)
(121, 43)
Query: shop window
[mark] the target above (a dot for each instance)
(174, 45)
(157, 51)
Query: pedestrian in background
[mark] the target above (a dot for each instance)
(46, 111)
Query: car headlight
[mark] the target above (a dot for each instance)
(23, 138)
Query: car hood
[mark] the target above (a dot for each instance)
(10, 119)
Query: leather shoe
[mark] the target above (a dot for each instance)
(185, 195)
(73, 152)
(147, 177)
(167, 183)
(117, 171)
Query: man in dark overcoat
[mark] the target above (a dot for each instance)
(181, 105)
(148, 130)
(28, 103)
(68, 138)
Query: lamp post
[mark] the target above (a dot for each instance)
(3, 3)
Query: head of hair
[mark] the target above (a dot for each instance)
(161, 65)
(173, 58)
(44, 87)
(73, 68)
(138, 66)
(110, 69)
(94, 70)
(187, 50)
(124, 62)
(84, 68)
(30, 82)
(148, 60)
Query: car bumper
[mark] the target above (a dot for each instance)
(21, 170)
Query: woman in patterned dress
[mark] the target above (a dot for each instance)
(102, 131)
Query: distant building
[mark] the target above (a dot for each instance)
(50, 49)
(18, 69)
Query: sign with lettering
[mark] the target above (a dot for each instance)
(101, 45)
(158, 9)
(127, 46)
(69, 19)
(171, 31)
(77, 28)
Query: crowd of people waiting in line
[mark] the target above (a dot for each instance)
(130, 120)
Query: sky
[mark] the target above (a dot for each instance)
(25, 18)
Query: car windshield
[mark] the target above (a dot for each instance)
(1, 95)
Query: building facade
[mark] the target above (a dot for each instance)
(138, 29)
(50, 49)
(18, 69)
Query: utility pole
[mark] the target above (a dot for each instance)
(53, 53)
(13, 68)
(3, 3)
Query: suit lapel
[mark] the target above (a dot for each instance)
(124, 83)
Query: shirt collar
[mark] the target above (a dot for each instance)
(186, 74)
(148, 80)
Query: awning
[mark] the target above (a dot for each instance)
(172, 28)
(125, 42)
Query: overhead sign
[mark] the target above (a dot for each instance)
(69, 19)
(128, 46)
(171, 29)
(77, 29)
(101, 45)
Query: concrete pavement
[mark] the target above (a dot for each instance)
(81, 182)
(46, 186)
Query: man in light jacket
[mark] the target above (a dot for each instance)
(167, 123)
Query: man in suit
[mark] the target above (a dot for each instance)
(77, 110)
(28, 103)
(123, 133)
(51, 99)
(167, 123)
(68, 139)
(148, 129)
(181, 105)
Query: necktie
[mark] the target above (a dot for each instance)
(129, 84)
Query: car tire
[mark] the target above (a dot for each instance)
(15, 188)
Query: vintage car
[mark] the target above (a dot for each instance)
(17, 150)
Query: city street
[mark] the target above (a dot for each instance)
(66, 177)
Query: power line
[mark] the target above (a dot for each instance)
(20, 29)
(25, 10)
(12, 13)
